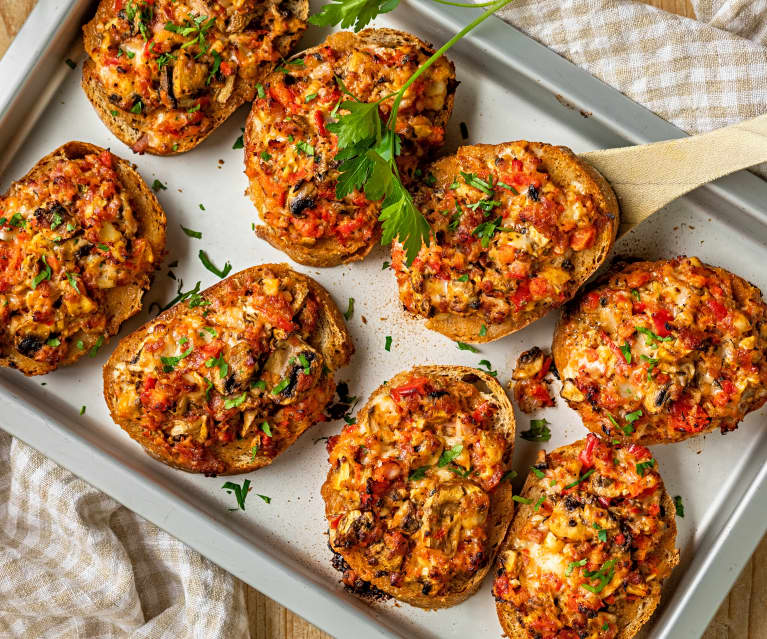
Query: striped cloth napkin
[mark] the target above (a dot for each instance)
(73, 563)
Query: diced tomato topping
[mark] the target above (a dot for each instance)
(586, 454)
(521, 295)
(660, 318)
(416, 386)
(691, 419)
(591, 301)
(583, 238)
(717, 308)
(539, 288)
(319, 120)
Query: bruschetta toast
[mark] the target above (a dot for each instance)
(228, 379)
(417, 497)
(290, 151)
(80, 236)
(516, 228)
(164, 74)
(590, 545)
(662, 351)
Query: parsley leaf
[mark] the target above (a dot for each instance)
(349, 310)
(402, 220)
(347, 13)
(449, 455)
(539, 431)
(462, 346)
(679, 506)
(240, 492)
(222, 273)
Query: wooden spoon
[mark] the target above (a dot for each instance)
(647, 177)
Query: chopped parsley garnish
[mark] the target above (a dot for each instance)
(482, 330)
(265, 156)
(267, 430)
(522, 500)
(511, 474)
(679, 506)
(449, 455)
(260, 90)
(54, 342)
(418, 473)
(218, 362)
(653, 362)
(234, 402)
(72, 64)
(102, 247)
(202, 208)
(194, 109)
(304, 147)
(211, 267)
(486, 230)
(55, 221)
(462, 346)
(191, 233)
(538, 472)
(573, 565)
(584, 476)
(630, 419)
(488, 366)
(238, 143)
(385, 266)
(211, 330)
(464, 278)
(464, 130)
(349, 309)
(95, 348)
(216, 66)
(268, 500)
(483, 185)
(82, 410)
(310, 97)
(651, 337)
(253, 452)
(508, 187)
(539, 431)
(387, 345)
(17, 221)
(80, 345)
(260, 384)
(305, 363)
(626, 350)
(170, 363)
(605, 575)
(45, 274)
(539, 503)
(137, 107)
(281, 386)
(240, 492)
(635, 293)
(642, 467)
(601, 532)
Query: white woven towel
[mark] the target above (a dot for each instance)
(73, 563)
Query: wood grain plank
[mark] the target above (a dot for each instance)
(743, 615)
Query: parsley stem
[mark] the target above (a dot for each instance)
(495, 6)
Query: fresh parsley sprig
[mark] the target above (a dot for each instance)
(367, 149)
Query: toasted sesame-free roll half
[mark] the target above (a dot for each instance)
(417, 497)
(228, 379)
(658, 352)
(80, 236)
(516, 229)
(290, 149)
(164, 74)
(590, 546)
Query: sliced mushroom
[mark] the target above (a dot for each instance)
(443, 515)
(355, 528)
(167, 96)
(226, 90)
(189, 76)
(293, 368)
(302, 197)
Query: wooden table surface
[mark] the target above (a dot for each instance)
(742, 615)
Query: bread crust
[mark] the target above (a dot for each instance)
(633, 615)
(501, 504)
(332, 339)
(327, 251)
(564, 167)
(572, 325)
(129, 128)
(122, 302)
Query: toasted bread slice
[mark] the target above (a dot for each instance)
(392, 483)
(289, 152)
(206, 97)
(54, 229)
(573, 524)
(662, 329)
(526, 242)
(264, 341)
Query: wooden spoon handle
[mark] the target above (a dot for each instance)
(646, 178)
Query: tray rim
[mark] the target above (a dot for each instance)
(34, 69)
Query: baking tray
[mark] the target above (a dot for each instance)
(511, 87)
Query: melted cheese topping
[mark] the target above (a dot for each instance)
(666, 349)
(586, 548)
(290, 150)
(410, 483)
(504, 236)
(176, 62)
(239, 366)
(66, 238)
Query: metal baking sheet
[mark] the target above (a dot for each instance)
(511, 88)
